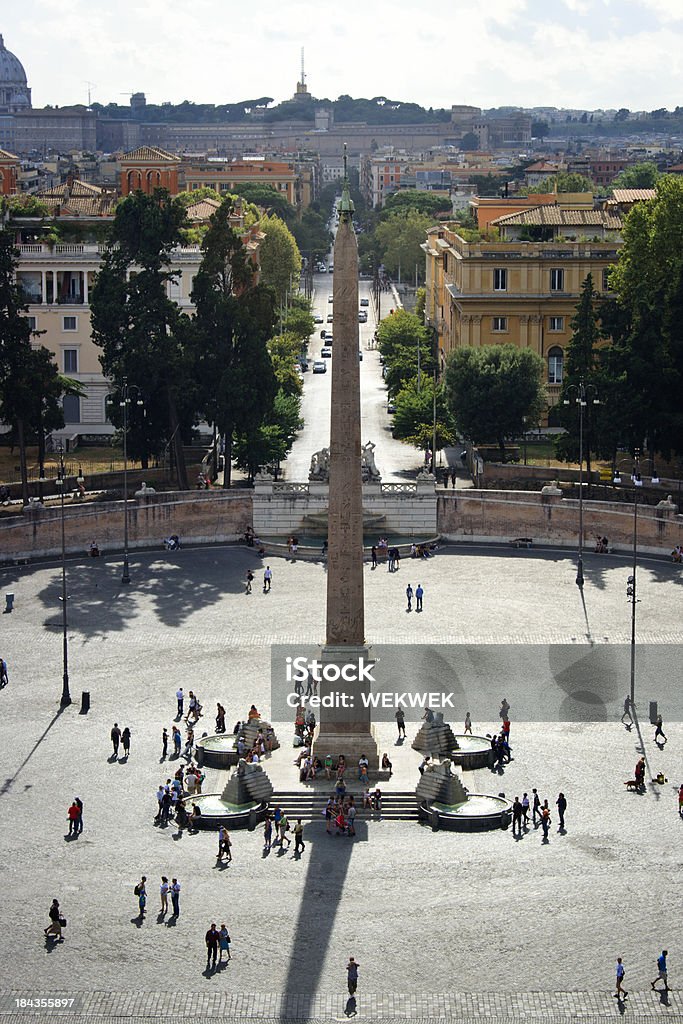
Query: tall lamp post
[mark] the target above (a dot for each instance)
(581, 394)
(61, 483)
(637, 481)
(127, 394)
(435, 356)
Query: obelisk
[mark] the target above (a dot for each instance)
(345, 729)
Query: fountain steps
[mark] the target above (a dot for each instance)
(310, 806)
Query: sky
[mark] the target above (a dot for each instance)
(590, 54)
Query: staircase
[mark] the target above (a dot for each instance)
(309, 806)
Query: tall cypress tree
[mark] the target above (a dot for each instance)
(140, 329)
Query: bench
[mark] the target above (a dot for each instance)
(522, 542)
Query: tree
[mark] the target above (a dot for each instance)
(563, 182)
(404, 343)
(622, 114)
(30, 386)
(642, 175)
(491, 390)
(233, 321)
(407, 199)
(268, 198)
(400, 238)
(644, 323)
(420, 301)
(583, 365)
(414, 416)
(140, 330)
(469, 142)
(280, 258)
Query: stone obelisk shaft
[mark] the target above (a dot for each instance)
(345, 609)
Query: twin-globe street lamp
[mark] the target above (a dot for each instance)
(582, 394)
(127, 394)
(637, 481)
(61, 483)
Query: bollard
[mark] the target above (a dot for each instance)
(9, 602)
(85, 702)
(653, 712)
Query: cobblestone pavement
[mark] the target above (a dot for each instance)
(523, 930)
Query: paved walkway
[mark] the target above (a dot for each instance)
(421, 1008)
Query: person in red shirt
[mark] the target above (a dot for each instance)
(73, 815)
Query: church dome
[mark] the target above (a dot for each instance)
(11, 68)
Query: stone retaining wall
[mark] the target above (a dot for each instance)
(200, 516)
(472, 515)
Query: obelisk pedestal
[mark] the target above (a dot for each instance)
(345, 729)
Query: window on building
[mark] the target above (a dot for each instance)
(32, 322)
(70, 323)
(557, 280)
(72, 408)
(500, 323)
(70, 360)
(555, 365)
(605, 279)
(500, 279)
(556, 323)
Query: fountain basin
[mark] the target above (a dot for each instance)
(217, 812)
(480, 812)
(217, 751)
(473, 752)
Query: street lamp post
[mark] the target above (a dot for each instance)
(61, 483)
(631, 593)
(124, 400)
(582, 392)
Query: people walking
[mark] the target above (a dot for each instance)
(620, 993)
(175, 896)
(212, 938)
(177, 741)
(54, 929)
(223, 942)
(517, 816)
(627, 712)
(115, 738)
(373, 556)
(267, 833)
(352, 975)
(299, 846)
(561, 804)
(680, 801)
(125, 740)
(504, 712)
(536, 806)
(141, 893)
(4, 678)
(662, 970)
(401, 723)
(409, 597)
(545, 821)
(525, 808)
(284, 829)
(163, 893)
(220, 718)
(164, 744)
(267, 579)
(250, 580)
(468, 723)
(659, 731)
(419, 593)
(180, 697)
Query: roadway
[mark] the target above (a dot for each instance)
(396, 461)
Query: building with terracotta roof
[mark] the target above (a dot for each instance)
(147, 168)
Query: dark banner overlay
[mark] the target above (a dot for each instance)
(541, 683)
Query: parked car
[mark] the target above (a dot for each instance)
(330, 269)
(365, 302)
(391, 408)
(330, 318)
(362, 317)
(330, 298)
(304, 365)
(360, 355)
(319, 366)
(329, 338)
(326, 352)
(318, 319)
(323, 333)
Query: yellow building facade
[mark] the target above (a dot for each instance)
(518, 292)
